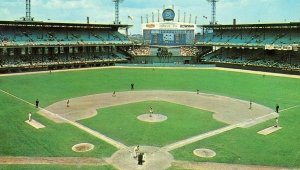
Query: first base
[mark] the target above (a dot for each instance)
(269, 130)
(35, 124)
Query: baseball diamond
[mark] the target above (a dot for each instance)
(177, 91)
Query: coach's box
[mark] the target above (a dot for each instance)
(269, 130)
(35, 124)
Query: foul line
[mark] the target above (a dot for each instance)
(16, 97)
(199, 137)
(78, 125)
(182, 143)
(283, 110)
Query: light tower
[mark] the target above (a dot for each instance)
(28, 11)
(213, 10)
(117, 2)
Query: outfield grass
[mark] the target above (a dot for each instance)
(55, 167)
(183, 122)
(266, 90)
(50, 88)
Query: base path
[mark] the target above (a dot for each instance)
(225, 109)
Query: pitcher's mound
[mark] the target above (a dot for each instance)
(152, 118)
(204, 153)
(154, 158)
(83, 147)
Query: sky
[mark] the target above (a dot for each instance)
(102, 11)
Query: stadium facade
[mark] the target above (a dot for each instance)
(29, 45)
(266, 47)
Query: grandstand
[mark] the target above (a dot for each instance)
(267, 47)
(45, 45)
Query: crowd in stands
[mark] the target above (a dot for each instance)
(188, 51)
(59, 59)
(261, 58)
(139, 51)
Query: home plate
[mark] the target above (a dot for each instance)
(35, 124)
(269, 130)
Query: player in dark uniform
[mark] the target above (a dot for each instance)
(277, 108)
(132, 86)
(140, 159)
(37, 102)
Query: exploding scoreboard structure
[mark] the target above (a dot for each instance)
(168, 32)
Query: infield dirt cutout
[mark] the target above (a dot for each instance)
(83, 147)
(204, 153)
(154, 158)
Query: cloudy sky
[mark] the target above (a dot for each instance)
(102, 11)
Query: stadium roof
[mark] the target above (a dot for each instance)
(263, 25)
(59, 24)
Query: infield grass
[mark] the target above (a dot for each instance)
(121, 123)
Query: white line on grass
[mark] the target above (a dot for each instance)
(283, 110)
(197, 138)
(78, 125)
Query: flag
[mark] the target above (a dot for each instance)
(129, 17)
(205, 17)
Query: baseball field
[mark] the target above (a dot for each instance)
(218, 118)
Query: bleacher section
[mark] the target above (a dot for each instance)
(140, 51)
(153, 51)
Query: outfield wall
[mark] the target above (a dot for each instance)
(155, 59)
(168, 65)
(258, 68)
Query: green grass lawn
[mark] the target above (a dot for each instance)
(19, 139)
(54, 167)
(120, 123)
(279, 149)
(245, 146)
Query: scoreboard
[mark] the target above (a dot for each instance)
(168, 33)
